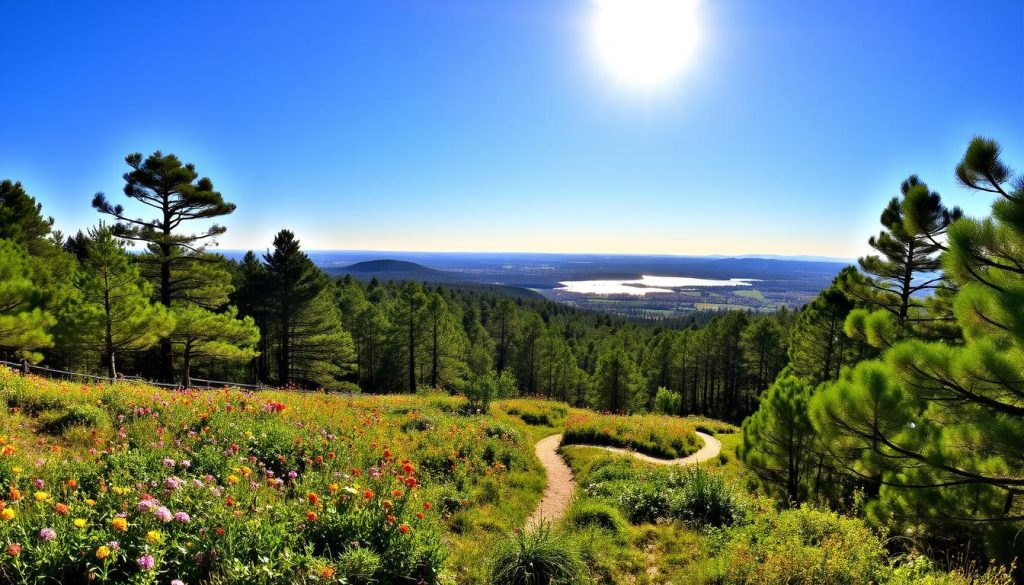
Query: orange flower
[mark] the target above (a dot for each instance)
(387, 453)
(15, 493)
(427, 506)
(119, 524)
(312, 497)
(311, 516)
(407, 467)
(391, 518)
(327, 572)
(332, 487)
(421, 515)
(404, 528)
(396, 493)
(61, 509)
(368, 494)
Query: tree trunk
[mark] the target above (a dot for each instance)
(166, 350)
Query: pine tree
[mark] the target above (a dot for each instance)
(503, 325)
(310, 345)
(617, 379)
(407, 340)
(22, 221)
(940, 426)
(777, 439)
(113, 313)
(906, 268)
(447, 343)
(202, 335)
(178, 195)
(818, 344)
(24, 324)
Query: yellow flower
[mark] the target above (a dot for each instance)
(102, 552)
(41, 496)
(79, 522)
(8, 514)
(119, 524)
(232, 479)
(152, 537)
(16, 470)
(90, 502)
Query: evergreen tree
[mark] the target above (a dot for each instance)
(818, 344)
(503, 324)
(249, 296)
(22, 221)
(940, 426)
(447, 342)
(894, 281)
(113, 312)
(177, 195)
(24, 324)
(764, 350)
(777, 439)
(202, 335)
(617, 380)
(310, 346)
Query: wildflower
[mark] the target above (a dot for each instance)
(146, 562)
(182, 517)
(232, 479)
(79, 522)
(9, 450)
(172, 483)
(163, 514)
(90, 502)
(368, 494)
(47, 534)
(219, 531)
(16, 470)
(102, 552)
(185, 463)
(387, 504)
(387, 453)
(41, 496)
(73, 483)
(427, 506)
(61, 509)
(311, 516)
(177, 582)
(407, 467)
(411, 482)
(8, 514)
(39, 483)
(168, 462)
(404, 528)
(14, 549)
(312, 497)
(396, 493)
(421, 515)
(15, 493)
(146, 505)
(119, 524)
(327, 572)
(333, 487)
(152, 537)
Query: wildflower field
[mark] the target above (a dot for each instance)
(126, 483)
(669, 437)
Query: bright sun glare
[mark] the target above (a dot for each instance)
(645, 43)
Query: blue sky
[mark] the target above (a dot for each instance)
(479, 125)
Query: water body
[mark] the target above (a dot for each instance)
(647, 285)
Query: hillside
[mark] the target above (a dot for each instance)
(129, 483)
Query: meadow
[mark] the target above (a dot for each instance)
(127, 483)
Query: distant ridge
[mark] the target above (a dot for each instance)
(398, 270)
(388, 265)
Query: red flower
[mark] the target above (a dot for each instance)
(396, 493)
(61, 509)
(368, 494)
(404, 528)
(14, 549)
(427, 506)
(312, 497)
(407, 467)
(311, 516)
(387, 454)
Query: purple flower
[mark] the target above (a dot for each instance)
(47, 534)
(168, 462)
(146, 562)
(40, 484)
(172, 483)
(114, 545)
(186, 463)
(177, 582)
(182, 517)
(162, 514)
(293, 474)
(146, 505)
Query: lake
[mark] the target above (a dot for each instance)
(647, 285)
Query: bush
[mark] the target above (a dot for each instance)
(596, 514)
(536, 557)
(58, 420)
(666, 401)
(488, 387)
(656, 435)
(703, 499)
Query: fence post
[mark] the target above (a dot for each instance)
(24, 365)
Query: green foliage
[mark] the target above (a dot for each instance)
(536, 557)
(201, 335)
(703, 499)
(778, 439)
(594, 514)
(666, 401)
(24, 325)
(659, 436)
(22, 221)
(490, 386)
(112, 312)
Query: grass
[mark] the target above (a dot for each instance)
(668, 437)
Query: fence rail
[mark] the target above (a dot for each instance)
(28, 368)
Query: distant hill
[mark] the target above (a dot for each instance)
(388, 269)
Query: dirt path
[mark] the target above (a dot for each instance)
(561, 484)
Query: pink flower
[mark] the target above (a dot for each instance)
(182, 517)
(47, 534)
(168, 462)
(162, 514)
(146, 562)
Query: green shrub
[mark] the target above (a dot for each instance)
(536, 557)
(666, 401)
(703, 499)
(596, 514)
(358, 565)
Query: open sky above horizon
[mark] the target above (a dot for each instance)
(478, 125)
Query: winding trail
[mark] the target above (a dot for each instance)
(561, 484)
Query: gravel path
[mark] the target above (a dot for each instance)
(561, 484)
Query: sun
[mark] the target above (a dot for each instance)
(645, 43)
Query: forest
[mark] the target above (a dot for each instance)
(897, 393)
